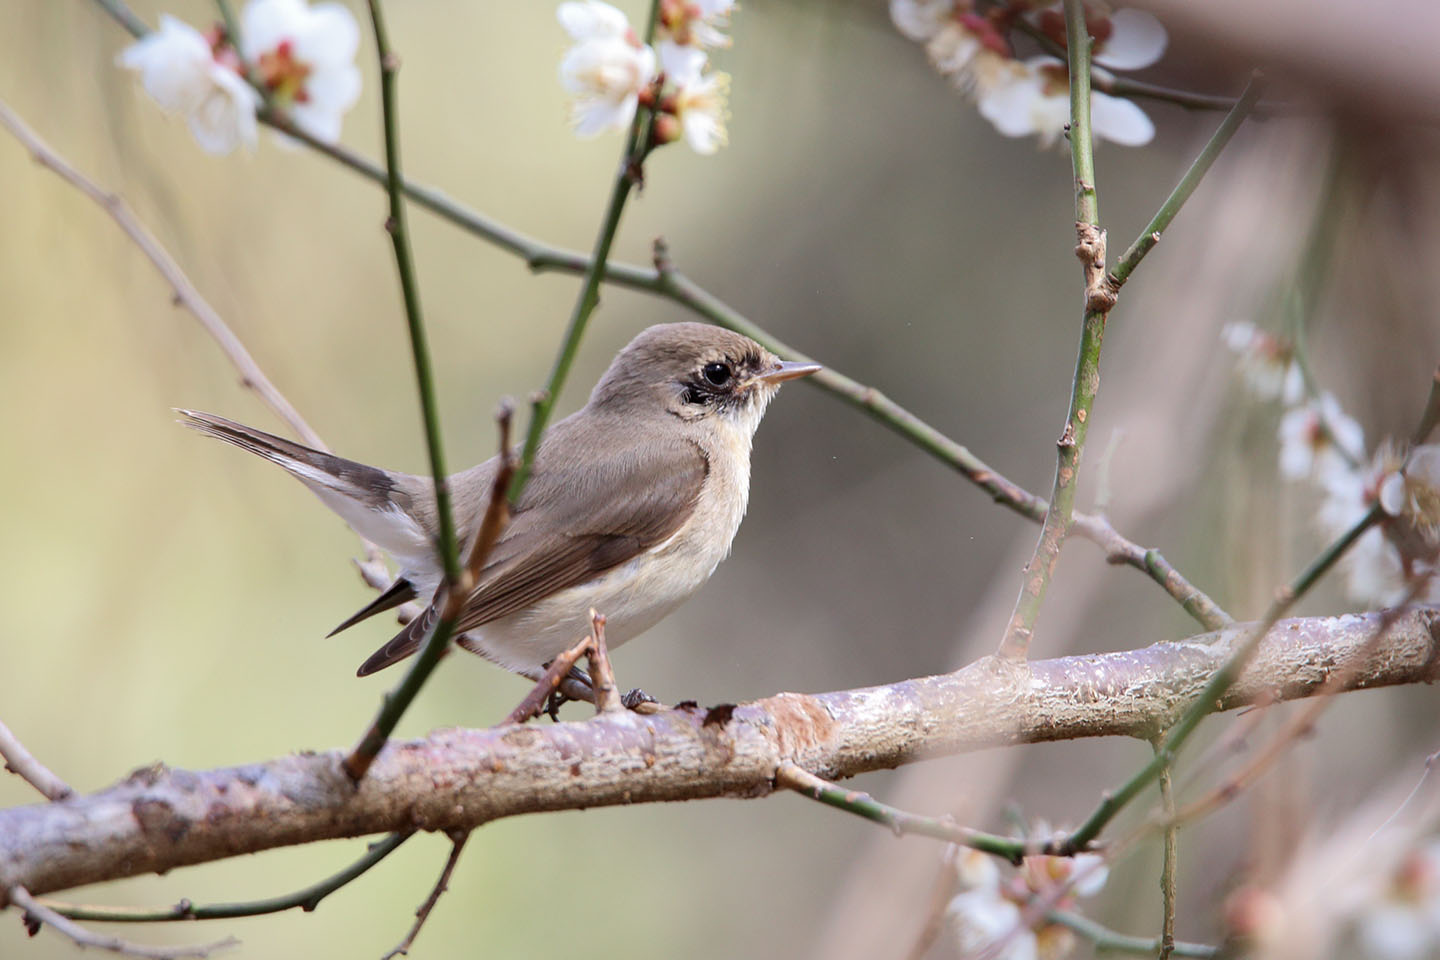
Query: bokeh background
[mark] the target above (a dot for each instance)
(166, 599)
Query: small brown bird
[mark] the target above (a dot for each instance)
(632, 503)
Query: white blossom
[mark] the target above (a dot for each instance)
(177, 67)
(981, 918)
(700, 108)
(593, 20)
(305, 57)
(605, 70)
(694, 22)
(1265, 362)
(1136, 41)
(1319, 440)
(1036, 100)
(919, 20)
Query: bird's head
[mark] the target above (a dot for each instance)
(696, 372)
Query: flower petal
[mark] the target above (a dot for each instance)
(1119, 121)
(1138, 40)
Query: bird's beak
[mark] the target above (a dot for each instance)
(788, 370)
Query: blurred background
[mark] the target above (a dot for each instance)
(166, 599)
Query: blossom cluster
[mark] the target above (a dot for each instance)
(298, 58)
(1323, 445)
(987, 915)
(1031, 96)
(609, 72)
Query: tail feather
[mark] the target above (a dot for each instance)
(320, 471)
(400, 591)
(403, 644)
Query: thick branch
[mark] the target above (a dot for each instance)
(159, 819)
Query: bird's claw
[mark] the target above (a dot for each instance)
(637, 700)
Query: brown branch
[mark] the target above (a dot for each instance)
(554, 676)
(602, 675)
(37, 914)
(1431, 416)
(22, 762)
(159, 819)
(457, 845)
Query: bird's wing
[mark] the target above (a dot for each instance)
(584, 511)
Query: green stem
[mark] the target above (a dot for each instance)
(1106, 939)
(395, 703)
(589, 297)
(1431, 415)
(863, 805)
(307, 898)
(1206, 701)
(1150, 236)
(1091, 249)
(395, 225)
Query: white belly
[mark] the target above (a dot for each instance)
(633, 596)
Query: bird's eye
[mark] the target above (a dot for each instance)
(718, 374)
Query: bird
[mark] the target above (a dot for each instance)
(631, 504)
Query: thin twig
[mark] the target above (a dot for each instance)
(632, 158)
(1167, 866)
(1219, 683)
(184, 292)
(667, 282)
(1099, 299)
(549, 682)
(457, 844)
(1106, 939)
(306, 898)
(1150, 236)
(602, 675)
(861, 804)
(22, 763)
(37, 914)
(1409, 797)
(1431, 416)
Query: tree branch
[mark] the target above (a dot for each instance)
(159, 819)
(23, 764)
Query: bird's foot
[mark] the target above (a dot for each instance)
(640, 702)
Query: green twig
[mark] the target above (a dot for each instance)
(1106, 939)
(394, 704)
(669, 283)
(863, 805)
(306, 898)
(1150, 236)
(1221, 681)
(589, 298)
(1099, 299)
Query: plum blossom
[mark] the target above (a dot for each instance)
(1031, 97)
(609, 72)
(1403, 923)
(1037, 102)
(988, 912)
(607, 68)
(1319, 440)
(179, 68)
(304, 56)
(694, 22)
(1265, 362)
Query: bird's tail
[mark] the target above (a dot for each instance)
(324, 473)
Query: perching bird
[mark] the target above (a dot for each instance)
(632, 502)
